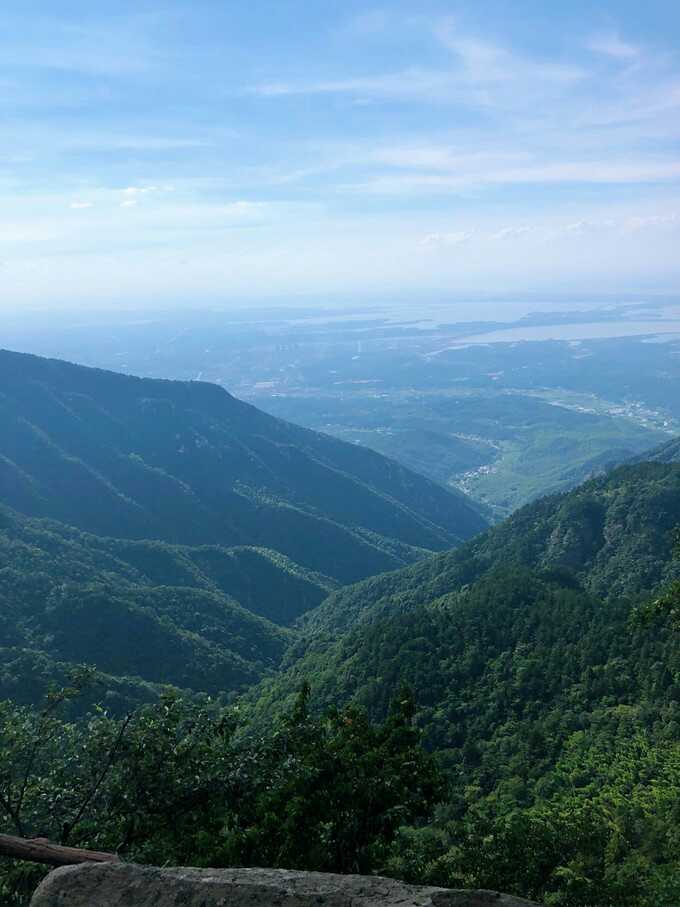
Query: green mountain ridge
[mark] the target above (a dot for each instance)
(145, 610)
(186, 463)
(610, 532)
(167, 533)
(597, 550)
(553, 708)
(665, 453)
(554, 711)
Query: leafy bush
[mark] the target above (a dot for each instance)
(171, 784)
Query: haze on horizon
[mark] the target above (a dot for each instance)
(160, 151)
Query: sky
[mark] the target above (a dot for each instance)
(223, 151)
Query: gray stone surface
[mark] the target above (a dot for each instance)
(126, 885)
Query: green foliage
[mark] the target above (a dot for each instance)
(171, 784)
(67, 597)
(186, 463)
(601, 829)
(330, 794)
(666, 453)
(556, 719)
(665, 606)
(611, 535)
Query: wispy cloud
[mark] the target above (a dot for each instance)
(100, 48)
(413, 84)
(399, 146)
(638, 222)
(132, 195)
(483, 62)
(511, 232)
(444, 240)
(612, 45)
(595, 172)
(481, 73)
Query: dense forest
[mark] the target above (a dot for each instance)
(169, 534)
(172, 784)
(145, 613)
(181, 688)
(187, 463)
(544, 681)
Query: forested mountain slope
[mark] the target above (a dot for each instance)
(612, 534)
(524, 624)
(205, 618)
(187, 463)
(555, 712)
(666, 453)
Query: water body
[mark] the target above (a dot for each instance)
(595, 330)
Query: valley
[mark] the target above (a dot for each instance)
(503, 418)
(340, 453)
(245, 589)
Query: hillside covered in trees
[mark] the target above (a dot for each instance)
(196, 553)
(166, 533)
(666, 453)
(187, 463)
(145, 613)
(553, 704)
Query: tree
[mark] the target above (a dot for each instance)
(172, 784)
(667, 605)
(330, 793)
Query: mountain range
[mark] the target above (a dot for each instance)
(550, 697)
(164, 531)
(171, 536)
(187, 463)
(605, 545)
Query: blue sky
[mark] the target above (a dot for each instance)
(234, 151)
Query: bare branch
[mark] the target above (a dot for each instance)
(69, 826)
(40, 850)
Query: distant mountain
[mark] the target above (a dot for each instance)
(611, 534)
(666, 453)
(187, 463)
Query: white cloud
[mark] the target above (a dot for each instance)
(654, 220)
(612, 45)
(443, 158)
(444, 240)
(648, 105)
(140, 190)
(414, 84)
(182, 248)
(484, 62)
(133, 194)
(511, 232)
(507, 164)
(246, 208)
(597, 171)
(544, 172)
(577, 227)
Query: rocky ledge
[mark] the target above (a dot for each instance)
(126, 885)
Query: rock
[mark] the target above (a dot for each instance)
(127, 885)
